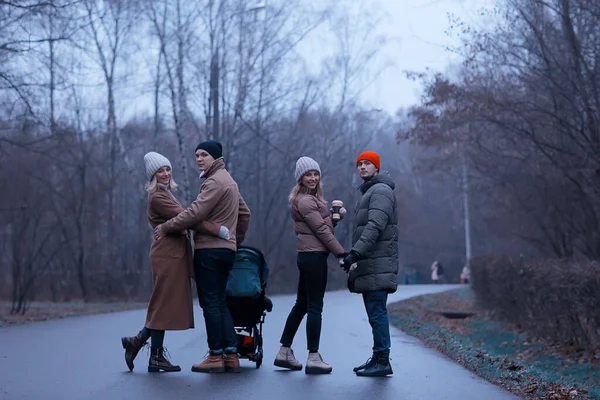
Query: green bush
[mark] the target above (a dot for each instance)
(555, 299)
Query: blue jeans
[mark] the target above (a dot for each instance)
(375, 304)
(211, 267)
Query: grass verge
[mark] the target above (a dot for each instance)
(42, 311)
(499, 352)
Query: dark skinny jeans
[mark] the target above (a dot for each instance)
(309, 300)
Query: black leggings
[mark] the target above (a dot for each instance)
(309, 300)
(157, 337)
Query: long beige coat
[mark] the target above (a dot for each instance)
(170, 306)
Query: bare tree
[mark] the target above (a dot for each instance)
(89, 209)
(173, 54)
(109, 23)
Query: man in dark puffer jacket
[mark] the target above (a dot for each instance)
(375, 252)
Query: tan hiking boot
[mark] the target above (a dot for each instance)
(316, 365)
(132, 346)
(232, 363)
(285, 359)
(159, 362)
(210, 364)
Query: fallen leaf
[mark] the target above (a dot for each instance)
(531, 388)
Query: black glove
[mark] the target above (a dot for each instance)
(348, 260)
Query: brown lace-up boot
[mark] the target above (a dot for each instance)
(159, 362)
(211, 363)
(132, 346)
(232, 362)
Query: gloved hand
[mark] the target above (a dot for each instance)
(224, 233)
(348, 260)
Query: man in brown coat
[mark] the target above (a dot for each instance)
(219, 201)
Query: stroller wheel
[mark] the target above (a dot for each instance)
(258, 358)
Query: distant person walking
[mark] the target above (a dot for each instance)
(465, 275)
(170, 306)
(437, 272)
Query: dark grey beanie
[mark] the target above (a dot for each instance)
(212, 147)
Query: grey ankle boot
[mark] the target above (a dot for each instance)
(285, 359)
(316, 365)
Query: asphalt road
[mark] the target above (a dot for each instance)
(82, 359)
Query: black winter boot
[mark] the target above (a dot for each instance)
(159, 362)
(380, 366)
(366, 364)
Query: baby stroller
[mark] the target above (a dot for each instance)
(247, 301)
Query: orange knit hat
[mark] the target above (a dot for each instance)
(369, 156)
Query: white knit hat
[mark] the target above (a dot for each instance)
(154, 162)
(305, 164)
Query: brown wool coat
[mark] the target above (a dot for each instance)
(170, 306)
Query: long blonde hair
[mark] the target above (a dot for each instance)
(151, 186)
(301, 189)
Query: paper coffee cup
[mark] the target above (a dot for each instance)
(336, 205)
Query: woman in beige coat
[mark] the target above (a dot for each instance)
(170, 306)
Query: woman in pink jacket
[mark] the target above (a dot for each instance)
(313, 226)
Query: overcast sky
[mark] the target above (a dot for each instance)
(418, 33)
(419, 27)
